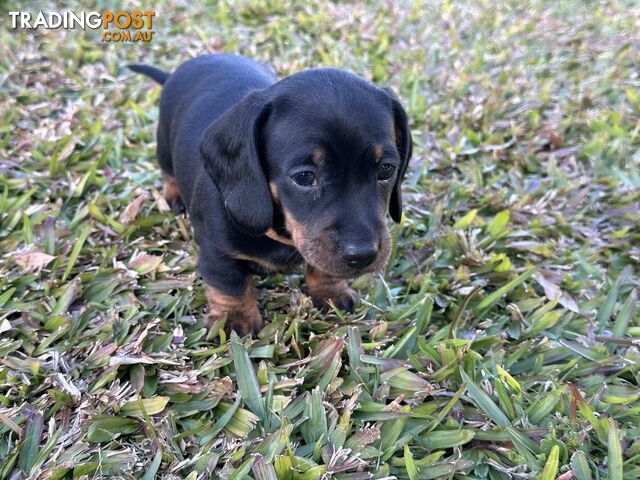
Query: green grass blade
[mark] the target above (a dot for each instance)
(150, 474)
(263, 470)
(447, 408)
(484, 402)
(580, 466)
(625, 315)
(30, 446)
(77, 247)
(614, 453)
(410, 465)
(551, 466)
(492, 298)
(246, 377)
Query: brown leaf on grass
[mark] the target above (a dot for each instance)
(363, 437)
(33, 260)
(568, 475)
(163, 206)
(102, 353)
(322, 358)
(554, 292)
(131, 212)
(565, 152)
(67, 150)
(144, 263)
(7, 422)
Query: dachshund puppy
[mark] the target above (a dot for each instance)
(275, 174)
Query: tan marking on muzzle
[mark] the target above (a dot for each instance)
(295, 228)
(318, 249)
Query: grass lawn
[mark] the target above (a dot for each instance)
(502, 341)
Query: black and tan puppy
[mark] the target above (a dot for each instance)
(277, 173)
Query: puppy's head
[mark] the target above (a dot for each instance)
(318, 156)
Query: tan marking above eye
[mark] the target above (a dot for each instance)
(318, 157)
(378, 151)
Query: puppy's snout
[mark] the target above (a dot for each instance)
(359, 255)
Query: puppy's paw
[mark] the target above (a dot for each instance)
(171, 194)
(244, 323)
(240, 322)
(177, 206)
(242, 314)
(344, 298)
(325, 289)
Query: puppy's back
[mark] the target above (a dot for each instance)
(193, 96)
(216, 82)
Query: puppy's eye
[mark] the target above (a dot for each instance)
(304, 179)
(385, 171)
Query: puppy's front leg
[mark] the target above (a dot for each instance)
(171, 193)
(323, 288)
(228, 286)
(242, 312)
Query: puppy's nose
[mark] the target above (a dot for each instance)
(359, 255)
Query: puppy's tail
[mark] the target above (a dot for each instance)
(153, 72)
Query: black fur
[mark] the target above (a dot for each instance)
(231, 149)
(404, 144)
(232, 135)
(152, 72)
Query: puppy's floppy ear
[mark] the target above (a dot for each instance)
(404, 145)
(231, 151)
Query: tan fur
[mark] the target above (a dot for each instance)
(170, 188)
(316, 247)
(242, 312)
(273, 235)
(318, 157)
(378, 151)
(295, 228)
(323, 288)
(273, 267)
(274, 191)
